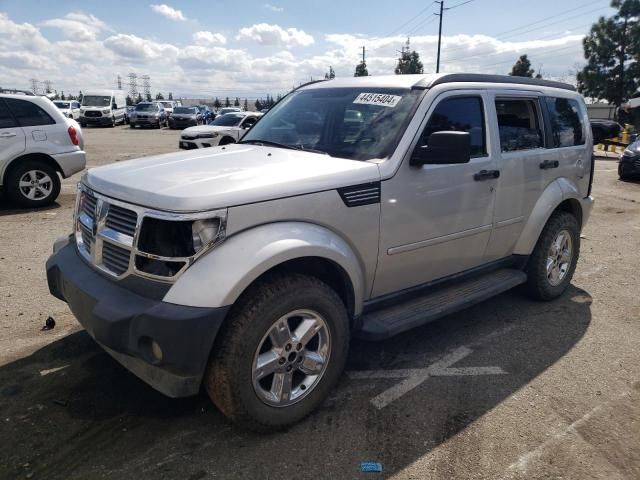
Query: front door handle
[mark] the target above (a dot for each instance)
(486, 175)
(549, 164)
(7, 134)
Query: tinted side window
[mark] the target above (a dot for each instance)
(567, 128)
(28, 114)
(6, 119)
(461, 114)
(519, 124)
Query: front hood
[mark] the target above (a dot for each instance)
(205, 129)
(221, 177)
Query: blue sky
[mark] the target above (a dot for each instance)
(252, 48)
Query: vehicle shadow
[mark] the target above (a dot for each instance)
(93, 418)
(7, 207)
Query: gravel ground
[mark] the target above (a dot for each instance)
(522, 390)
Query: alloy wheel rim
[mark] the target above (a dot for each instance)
(35, 185)
(291, 358)
(559, 258)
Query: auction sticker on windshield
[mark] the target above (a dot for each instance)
(381, 99)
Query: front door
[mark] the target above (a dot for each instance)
(12, 138)
(436, 219)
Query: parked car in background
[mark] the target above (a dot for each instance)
(128, 112)
(225, 129)
(38, 145)
(206, 112)
(183, 117)
(225, 110)
(149, 114)
(103, 107)
(629, 165)
(168, 105)
(69, 108)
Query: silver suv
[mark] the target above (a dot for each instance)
(38, 143)
(355, 207)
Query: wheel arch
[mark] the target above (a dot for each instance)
(247, 257)
(560, 195)
(40, 157)
(226, 140)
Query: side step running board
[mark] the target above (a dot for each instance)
(390, 321)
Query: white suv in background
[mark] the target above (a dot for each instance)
(225, 129)
(70, 108)
(38, 144)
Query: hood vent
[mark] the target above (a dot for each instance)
(359, 195)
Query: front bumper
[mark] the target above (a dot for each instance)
(182, 123)
(125, 324)
(630, 166)
(71, 162)
(95, 120)
(145, 121)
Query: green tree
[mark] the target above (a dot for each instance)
(409, 62)
(129, 100)
(217, 103)
(62, 97)
(139, 98)
(612, 51)
(159, 96)
(246, 105)
(80, 96)
(258, 105)
(522, 68)
(227, 103)
(236, 103)
(170, 96)
(361, 70)
(331, 74)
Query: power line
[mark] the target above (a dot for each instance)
(423, 24)
(395, 30)
(459, 5)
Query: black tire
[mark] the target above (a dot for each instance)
(18, 195)
(132, 125)
(113, 122)
(83, 125)
(538, 284)
(228, 379)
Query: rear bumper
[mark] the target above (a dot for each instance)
(127, 324)
(71, 162)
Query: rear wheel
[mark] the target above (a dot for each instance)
(132, 125)
(554, 258)
(113, 122)
(33, 184)
(281, 352)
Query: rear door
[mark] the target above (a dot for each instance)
(12, 139)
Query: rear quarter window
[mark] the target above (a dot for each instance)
(567, 127)
(6, 119)
(28, 114)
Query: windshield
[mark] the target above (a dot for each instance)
(62, 104)
(355, 123)
(146, 107)
(96, 101)
(228, 110)
(166, 104)
(188, 110)
(227, 120)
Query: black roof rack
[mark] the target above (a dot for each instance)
(15, 91)
(484, 78)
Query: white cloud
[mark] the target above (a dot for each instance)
(275, 35)
(77, 26)
(137, 48)
(209, 38)
(273, 8)
(169, 12)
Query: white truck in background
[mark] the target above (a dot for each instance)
(103, 107)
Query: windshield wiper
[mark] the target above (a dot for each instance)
(282, 145)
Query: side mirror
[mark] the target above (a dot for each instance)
(114, 105)
(443, 148)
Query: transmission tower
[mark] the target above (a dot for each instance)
(119, 82)
(34, 85)
(146, 86)
(47, 86)
(133, 86)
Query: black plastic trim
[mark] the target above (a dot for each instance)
(484, 78)
(360, 195)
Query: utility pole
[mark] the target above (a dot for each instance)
(439, 34)
(363, 55)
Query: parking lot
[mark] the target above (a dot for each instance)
(510, 388)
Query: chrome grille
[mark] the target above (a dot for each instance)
(115, 258)
(121, 220)
(92, 113)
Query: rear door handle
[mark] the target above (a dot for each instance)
(549, 164)
(486, 175)
(7, 134)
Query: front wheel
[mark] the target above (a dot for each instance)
(33, 184)
(280, 354)
(554, 258)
